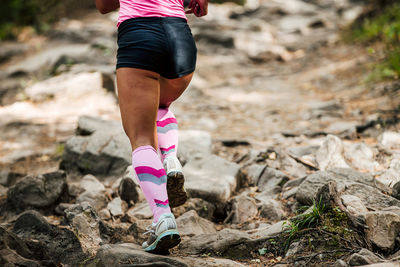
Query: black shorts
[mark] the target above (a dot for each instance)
(164, 45)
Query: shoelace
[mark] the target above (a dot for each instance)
(149, 230)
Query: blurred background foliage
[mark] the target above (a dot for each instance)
(379, 29)
(36, 13)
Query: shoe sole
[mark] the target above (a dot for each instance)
(164, 242)
(175, 187)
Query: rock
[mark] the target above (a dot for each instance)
(294, 248)
(91, 184)
(3, 191)
(65, 85)
(271, 209)
(14, 252)
(96, 199)
(128, 191)
(193, 144)
(203, 208)
(105, 214)
(121, 254)
(363, 257)
(244, 208)
(361, 157)
(269, 231)
(87, 125)
(271, 181)
(383, 228)
(209, 262)
(251, 174)
(8, 178)
(309, 187)
(291, 167)
(215, 242)
(320, 109)
(105, 152)
(59, 210)
(126, 188)
(60, 244)
(211, 170)
(46, 59)
(115, 207)
(371, 197)
(304, 154)
(288, 193)
(191, 224)
(383, 264)
(340, 263)
(40, 192)
(354, 205)
(391, 176)
(93, 192)
(86, 223)
(11, 49)
(140, 211)
(390, 140)
(345, 129)
(329, 155)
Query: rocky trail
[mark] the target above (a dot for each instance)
(289, 158)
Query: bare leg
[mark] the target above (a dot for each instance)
(171, 89)
(139, 93)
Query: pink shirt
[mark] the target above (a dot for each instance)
(150, 8)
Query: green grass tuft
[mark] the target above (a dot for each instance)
(381, 28)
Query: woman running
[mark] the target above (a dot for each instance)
(155, 62)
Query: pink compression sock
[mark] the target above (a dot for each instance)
(152, 179)
(167, 132)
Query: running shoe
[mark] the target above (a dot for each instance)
(163, 235)
(175, 182)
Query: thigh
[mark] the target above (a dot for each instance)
(171, 89)
(138, 94)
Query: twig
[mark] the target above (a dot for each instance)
(228, 217)
(324, 252)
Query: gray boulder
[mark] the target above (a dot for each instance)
(41, 191)
(115, 207)
(308, 189)
(211, 178)
(244, 208)
(92, 191)
(361, 157)
(383, 227)
(363, 257)
(15, 252)
(84, 220)
(191, 224)
(251, 174)
(271, 209)
(203, 208)
(103, 150)
(391, 176)
(210, 262)
(59, 244)
(371, 197)
(218, 242)
(120, 254)
(271, 181)
(330, 154)
(390, 140)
